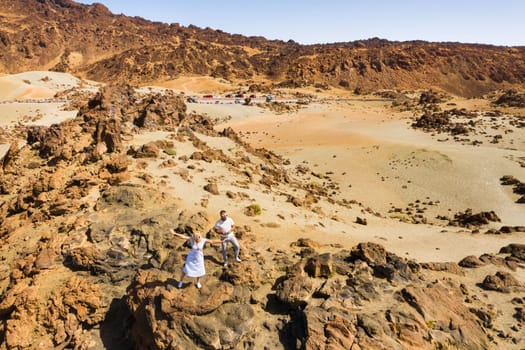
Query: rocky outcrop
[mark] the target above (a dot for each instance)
(511, 98)
(170, 318)
(60, 319)
(432, 97)
(328, 312)
(515, 250)
(518, 187)
(442, 122)
(468, 219)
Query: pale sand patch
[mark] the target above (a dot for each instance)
(39, 85)
(378, 154)
(33, 114)
(10, 90)
(228, 111)
(197, 85)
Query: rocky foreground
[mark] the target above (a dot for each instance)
(88, 261)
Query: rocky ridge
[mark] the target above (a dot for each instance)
(90, 41)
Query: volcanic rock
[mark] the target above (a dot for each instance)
(515, 250)
(320, 266)
(511, 98)
(468, 219)
(501, 282)
(212, 188)
(471, 261)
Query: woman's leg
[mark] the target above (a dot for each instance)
(181, 278)
(198, 283)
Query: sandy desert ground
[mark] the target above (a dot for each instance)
(361, 144)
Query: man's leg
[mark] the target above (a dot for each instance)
(224, 246)
(236, 247)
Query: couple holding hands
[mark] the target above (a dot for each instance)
(194, 265)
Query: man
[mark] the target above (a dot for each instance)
(224, 226)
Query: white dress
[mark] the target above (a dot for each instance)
(194, 265)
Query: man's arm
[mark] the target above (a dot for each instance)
(232, 229)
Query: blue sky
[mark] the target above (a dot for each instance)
(307, 21)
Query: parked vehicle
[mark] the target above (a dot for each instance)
(269, 98)
(207, 96)
(253, 96)
(240, 95)
(191, 100)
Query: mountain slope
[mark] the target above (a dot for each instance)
(90, 41)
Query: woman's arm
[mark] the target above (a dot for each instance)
(213, 241)
(178, 234)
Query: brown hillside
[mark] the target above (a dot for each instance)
(90, 41)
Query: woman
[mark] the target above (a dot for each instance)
(194, 265)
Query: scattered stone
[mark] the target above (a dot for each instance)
(149, 150)
(361, 221)
(515, 250)
(212, 188)
(371, 253)
(502, 282)
(511, 229)
(471, 261)
(306, 243)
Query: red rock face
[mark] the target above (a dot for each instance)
(79, 35)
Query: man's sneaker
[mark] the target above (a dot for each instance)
(238, 260)
(198, 285)
(225, 264)
(179, 285)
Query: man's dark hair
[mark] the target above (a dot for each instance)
(222, 212)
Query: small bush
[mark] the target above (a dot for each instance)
(253, 210)
(171, 151)
(402, 217)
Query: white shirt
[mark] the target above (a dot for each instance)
(224, 226)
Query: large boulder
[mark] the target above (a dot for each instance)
(471, 261)
(371, 253)
(320, 266)
(148, 150)
(187, 318)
